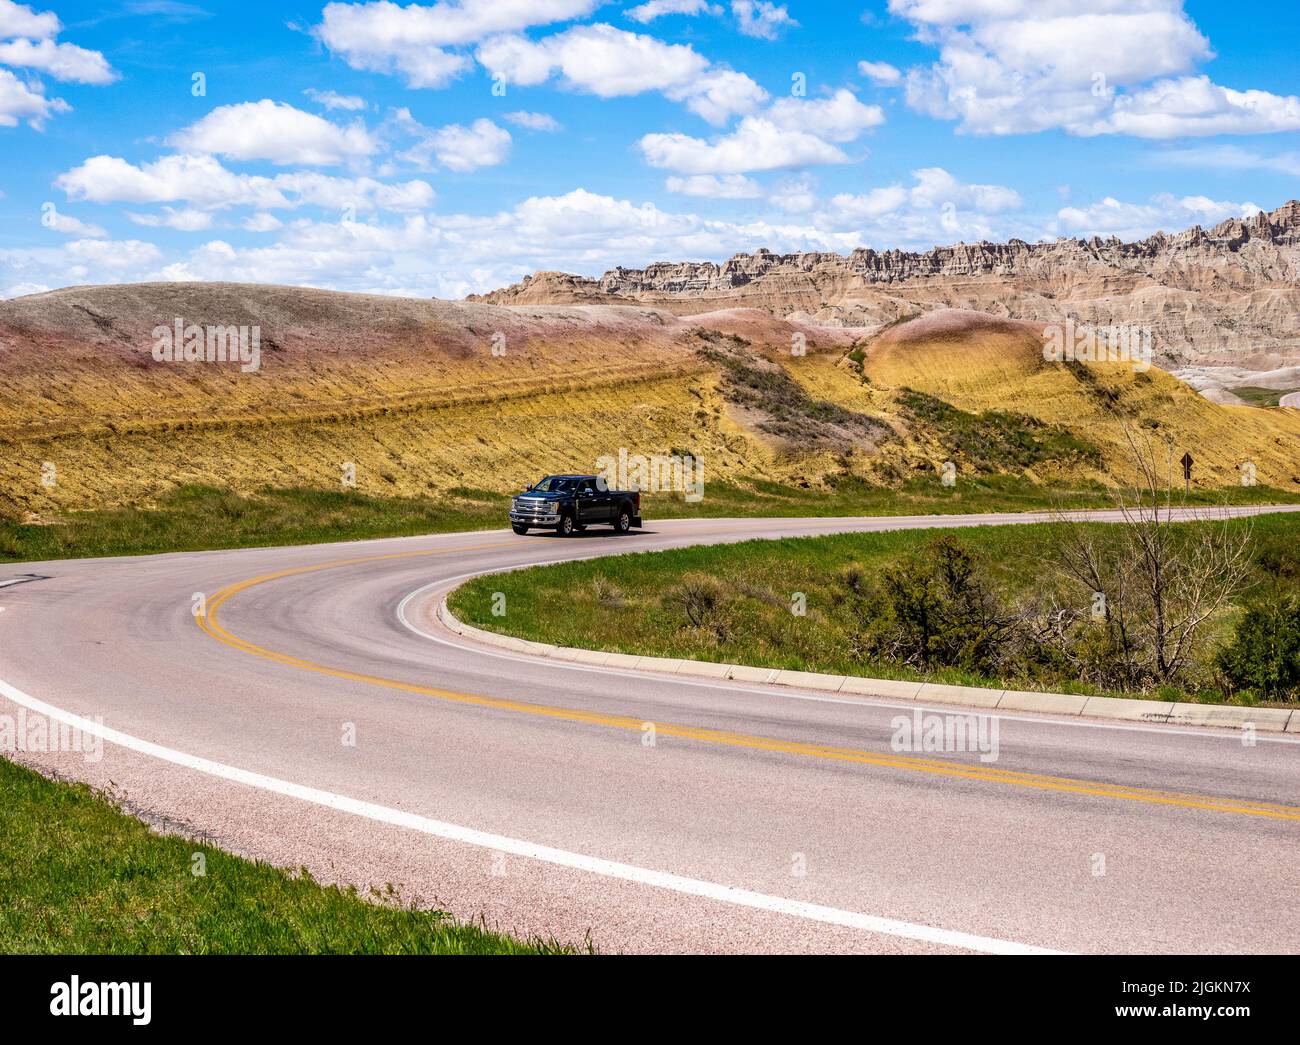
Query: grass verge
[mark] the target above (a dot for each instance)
(629, 603)
(79, 876)
(198, 518)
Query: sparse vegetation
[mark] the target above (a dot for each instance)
(1264, 655)
(80, 876)
(974, 606)
(196, 518)
(1265, 397)
(997, 440)
(756, 383)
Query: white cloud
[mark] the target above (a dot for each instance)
(1087, 66)
(653, 9)
(455, 147)
(184, 220)
(760, 18)
(332, 100)
(839, 118)
(277, 132)
(795, 195)
(113, 256)
(60, 222)
(25, 101)
(200, 180)
(935, 186)
(204, 183)
(936, 208)
(1133, 221)
(711, 186)
(27, 41)
(533, 121)
(719, 95)
(412, 40)
(262, 222)
(598, 59)
(18, 290)
(21, 20)
(868, 206)
(481, 144)
(609, 62)
(880, 73)
(757, 144)
(449, 255)
(1229, 158)
(62, 61)
(1194, 106)
(792, 132)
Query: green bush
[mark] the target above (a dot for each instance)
(1264, 655)
(934, 609)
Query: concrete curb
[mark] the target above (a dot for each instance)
(1271, 720)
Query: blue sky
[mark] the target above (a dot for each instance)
(452, 147)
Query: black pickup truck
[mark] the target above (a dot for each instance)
(568, 503)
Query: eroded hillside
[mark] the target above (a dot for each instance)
(1229, 294)
(433, 397)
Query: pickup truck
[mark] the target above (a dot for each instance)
(569, 503)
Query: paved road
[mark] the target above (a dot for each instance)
(530, 793)
(1291, 399)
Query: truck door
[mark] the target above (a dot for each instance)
(593, 503)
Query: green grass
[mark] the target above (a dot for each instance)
(995, 440)
(923, 495)
(78, 876)
(1256, 396)
(199, 518)
(624, 604)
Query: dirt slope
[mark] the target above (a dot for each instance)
(412, 394)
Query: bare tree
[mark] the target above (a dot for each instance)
(1153, 582)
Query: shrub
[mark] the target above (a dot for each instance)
(703, 601)
(606, 592)
(1264, 655)
(935, 610)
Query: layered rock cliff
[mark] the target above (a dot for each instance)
(1226, 294)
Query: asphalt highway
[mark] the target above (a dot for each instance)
(316, 714)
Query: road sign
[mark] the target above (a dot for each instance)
(1187, 466)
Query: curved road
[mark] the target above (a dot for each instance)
(1291, 399)
(319, 716)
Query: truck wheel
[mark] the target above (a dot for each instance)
(521, 530)
(566, 527)
(624, 522)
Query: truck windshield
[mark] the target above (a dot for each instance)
(555, 484)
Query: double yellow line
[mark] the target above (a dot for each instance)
(211, 624)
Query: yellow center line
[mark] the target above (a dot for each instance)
(988, 774)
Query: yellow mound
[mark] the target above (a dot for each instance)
(978, 362)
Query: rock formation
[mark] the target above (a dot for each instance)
(1230, 294)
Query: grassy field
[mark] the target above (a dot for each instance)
(79, 876)
(1256, 396)
(200, 518)
(629, 604)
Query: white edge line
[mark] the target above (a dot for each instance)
(530, 850)
(785, 693)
